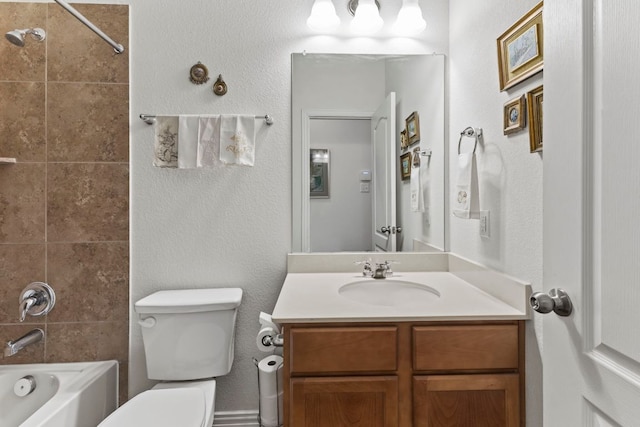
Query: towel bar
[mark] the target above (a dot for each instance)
(471, 133)
(151, 119)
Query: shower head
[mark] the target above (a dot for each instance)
(17, 36)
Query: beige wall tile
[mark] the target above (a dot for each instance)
(19, 266)
(22, 119)
(77, 54)
(31, 354)
(87, 202)
(22, 203)
(91, 281)
(23, 63)
(88, 122)
(76, 342)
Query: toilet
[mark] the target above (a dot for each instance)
(188, 338)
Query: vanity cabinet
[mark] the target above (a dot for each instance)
(422, 374)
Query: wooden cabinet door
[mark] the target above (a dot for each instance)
(466, 400)
(344, 402)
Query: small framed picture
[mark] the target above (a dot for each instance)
(521, 49)
(404, 141)
(514, 115)
(405, 165)
(413, 128)
(319, 173)
(534, 107)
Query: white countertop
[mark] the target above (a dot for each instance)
(313, 296)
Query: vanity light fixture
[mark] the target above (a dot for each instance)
(323, 16)
(366, 20)
(410, 21)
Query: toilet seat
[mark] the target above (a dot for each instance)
(184, 407)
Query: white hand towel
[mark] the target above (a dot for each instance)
(187, 141)
(237, 140)
(465, 203)
(166, 142)
(417, 194)
(208, 141)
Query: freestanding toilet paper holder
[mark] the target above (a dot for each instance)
(280, 416)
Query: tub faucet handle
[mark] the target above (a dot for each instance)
(37, 299)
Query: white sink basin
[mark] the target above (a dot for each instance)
(388, 292)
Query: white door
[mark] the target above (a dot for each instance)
(591, 359)
(383, 134)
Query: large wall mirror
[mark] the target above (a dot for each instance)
(351, 191)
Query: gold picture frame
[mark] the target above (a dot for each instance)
(404, 141)
(413, 128)
(405, 165)
(521, 49)
(514, 115)
(534, 107)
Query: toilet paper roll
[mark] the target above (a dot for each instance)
(265, 332)
(270, 378)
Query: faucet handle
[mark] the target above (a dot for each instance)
(366, 267)
(37, 299)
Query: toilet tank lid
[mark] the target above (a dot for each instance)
(190, 300)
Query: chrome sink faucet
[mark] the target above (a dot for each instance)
(31, 337)
(376, 270)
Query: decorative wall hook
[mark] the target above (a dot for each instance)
(199, 74)
(220, 87)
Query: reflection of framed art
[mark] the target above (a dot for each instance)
(513, 115)
(521, 49)
(404, 141)
(319, 171)
(413, 128)
(534, 105)
(405, 166)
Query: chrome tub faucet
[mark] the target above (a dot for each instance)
(31, 337)
(37, 299)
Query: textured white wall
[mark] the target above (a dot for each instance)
(231, 226)
(510, 177)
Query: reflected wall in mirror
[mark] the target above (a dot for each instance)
(336, 101)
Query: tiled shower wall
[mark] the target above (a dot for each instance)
(64, 206)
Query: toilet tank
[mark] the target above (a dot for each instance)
(188, 334)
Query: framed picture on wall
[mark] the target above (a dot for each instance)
(521, 49)
(514, 115)
(319, 173)
(534, 105)
(413, 128)
(405, 165)
(404, 141)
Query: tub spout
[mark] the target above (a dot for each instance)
(31, 337)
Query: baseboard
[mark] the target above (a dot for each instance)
(236, 419)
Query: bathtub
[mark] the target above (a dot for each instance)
(65, 394)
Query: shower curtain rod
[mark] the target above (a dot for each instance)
(118, 48)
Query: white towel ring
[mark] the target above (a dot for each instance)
(471, 133)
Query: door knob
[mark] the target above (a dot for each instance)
(557, 301)
(385, 230)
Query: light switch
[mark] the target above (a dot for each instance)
(364, 187)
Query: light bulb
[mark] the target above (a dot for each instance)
(367, 18)
(409, 21)
(323, 16)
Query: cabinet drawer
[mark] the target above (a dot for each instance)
(481, 347)
(352, 349)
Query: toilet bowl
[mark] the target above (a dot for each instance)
(188, 338)
(183, 404)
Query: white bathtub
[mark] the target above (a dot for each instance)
(66, 394)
